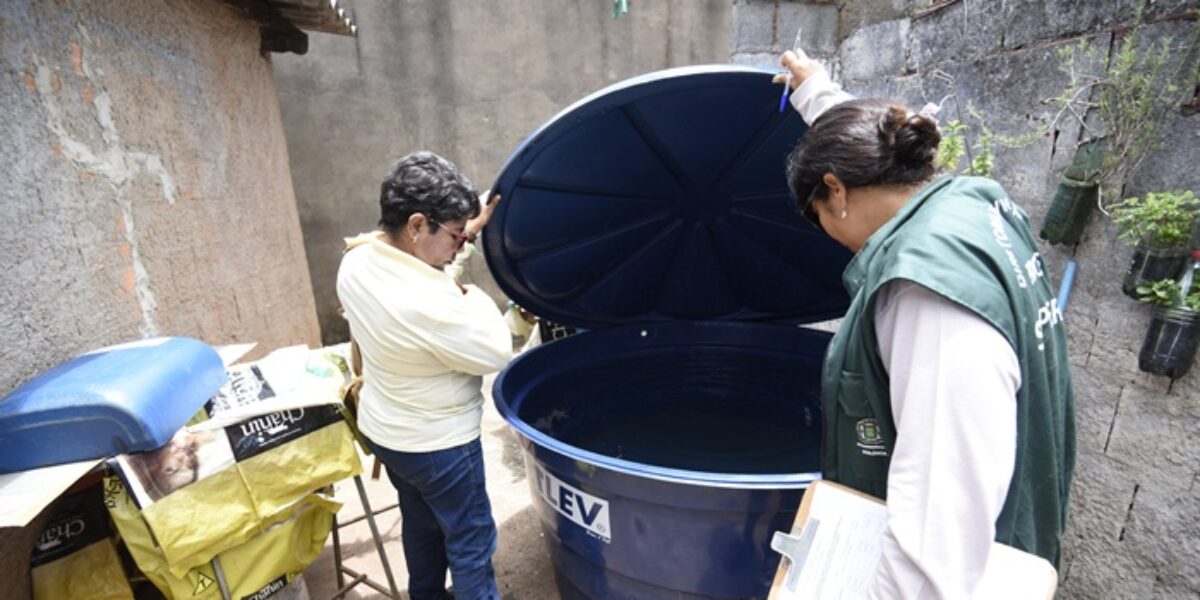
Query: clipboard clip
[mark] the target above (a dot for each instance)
(795, 549)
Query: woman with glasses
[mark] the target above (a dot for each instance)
(946, 389)
(425, 342)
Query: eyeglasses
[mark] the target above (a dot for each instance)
(460, 237)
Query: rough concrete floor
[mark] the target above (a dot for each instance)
(523, 568)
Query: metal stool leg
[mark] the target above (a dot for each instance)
(342, 591)
(216, 565)
(387, 567)
(337, 554)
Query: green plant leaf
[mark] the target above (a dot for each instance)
(1159, 219)
(1162, 292)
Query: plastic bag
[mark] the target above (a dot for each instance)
(257, 568)
(76, 557)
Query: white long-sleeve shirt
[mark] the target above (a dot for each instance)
(816, 95)
(425, 345)
(954, 381)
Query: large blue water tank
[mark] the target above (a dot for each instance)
(663, 457)
(665, 444)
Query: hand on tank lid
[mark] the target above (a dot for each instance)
(474, 226)
(787, 78)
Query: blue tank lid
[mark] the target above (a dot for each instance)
(125, 398)
(664, 197)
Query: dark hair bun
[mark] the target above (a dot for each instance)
(912, 138)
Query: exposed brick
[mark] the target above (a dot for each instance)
(77, 57)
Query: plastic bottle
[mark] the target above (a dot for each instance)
(1188, 277)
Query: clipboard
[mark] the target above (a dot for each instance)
(834, 548)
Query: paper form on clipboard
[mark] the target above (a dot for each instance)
(837, 558)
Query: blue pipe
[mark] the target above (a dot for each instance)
(1064, 290)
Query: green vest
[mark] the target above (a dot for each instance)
(962, 238)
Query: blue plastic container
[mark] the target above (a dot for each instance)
(666, 444)
(662, 462)
(114, 400)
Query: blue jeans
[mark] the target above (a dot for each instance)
(446, 521)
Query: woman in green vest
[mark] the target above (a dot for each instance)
(946, 389)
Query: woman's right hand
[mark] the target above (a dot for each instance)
(801, 66)
(474, 226)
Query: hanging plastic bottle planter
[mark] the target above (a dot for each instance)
(1152, 264)
(1161, 225)
(1170, 344)
(1077, 194)
(1174, 334)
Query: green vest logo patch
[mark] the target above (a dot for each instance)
(869, 439)
(868, 432)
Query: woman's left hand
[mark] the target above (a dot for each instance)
(474, 226)
(801, 66)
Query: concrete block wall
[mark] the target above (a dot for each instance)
(468, 80)
(1135, 508)
(762, 31)
(145, 182)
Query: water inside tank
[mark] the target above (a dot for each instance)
(699, 408)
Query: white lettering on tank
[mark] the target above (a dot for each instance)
(579, 507)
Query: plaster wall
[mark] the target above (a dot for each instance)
(1135, 503)
(468, 80)
(145, 182)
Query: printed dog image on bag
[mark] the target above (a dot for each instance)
(187, 458)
